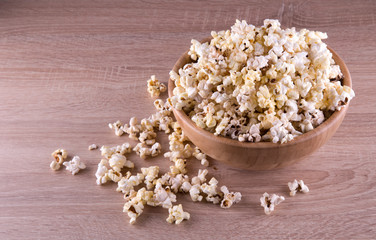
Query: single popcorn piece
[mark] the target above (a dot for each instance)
(92, 147)
(59, 155)
(177, 215)
(133, 129)
(229, 198)
(74, 165)
(210, 189)
(256, 84)
(114, 175)
(117, 127)
(150, 174)
(155, 88)
(118, 161)
(200, 178)
(101, 173)
(162, 196)
(194, 192)
(297, 186)
(269, 202)
(127, 183)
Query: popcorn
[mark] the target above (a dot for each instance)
(194, 192)
(155, 87)
(101, 173)
(133, 129)
(179, 166)
(269, 202)
(162, 196)
(127, 183)
(92, 147)
(135, 205)
(113, 175)
(150, 174)
(74, 165)
(123, 149)
(253, 84)
(229, 198)
(118, 161)
(177, 215)
(200, 178)
(297, 186)
(143, 151)
(210, 190)
(117, 127)
(59, 155)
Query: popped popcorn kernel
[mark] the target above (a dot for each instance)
(134, 207)
(117, 127)
(297, 186)
(74, 165)
(177, 215)
(229, 198)
(59, 155)
(92, 147)
(269, 202)
(155, 88)
(150, 174)
(101, 173)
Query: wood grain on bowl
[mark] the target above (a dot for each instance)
(261, 155)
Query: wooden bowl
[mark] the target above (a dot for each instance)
(261, 155)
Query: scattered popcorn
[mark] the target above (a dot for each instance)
(297, 186)
(155, 87)
(135, 205)
(92, 147)
(74, 165)
(269, 202)
(229, 198)
(133, 129)
(257, 84)
(177, 215)
(117, 127)
(59, 155)
(123, 149)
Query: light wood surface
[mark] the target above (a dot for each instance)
(68, 68)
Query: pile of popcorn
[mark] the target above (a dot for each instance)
(260, 83)
(149, 186)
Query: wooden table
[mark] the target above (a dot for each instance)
(68, 68)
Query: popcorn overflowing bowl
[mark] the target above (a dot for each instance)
(259, 155)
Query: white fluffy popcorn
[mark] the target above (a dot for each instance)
(297, 186)
(135, 204)
(155, 87)
(163, 196)
(118, 161)
(229, 198)
(269, 202)
(128, 182)
(150, 173)
(92, 147)
(101, 173)
(117, 127)
(59, 156)
(74, 165)
(177, 215)
(123, 149)
(144, 151)
(260, 83)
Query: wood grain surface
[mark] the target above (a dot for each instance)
(68, 68)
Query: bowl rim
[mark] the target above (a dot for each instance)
(328, 123)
